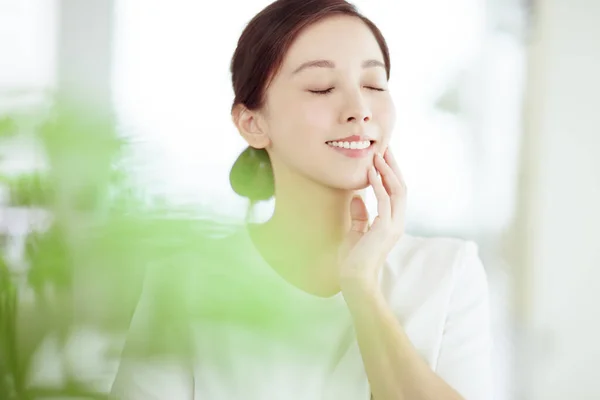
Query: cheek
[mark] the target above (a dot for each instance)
(296, 120)
(315, 115)
(384, 112)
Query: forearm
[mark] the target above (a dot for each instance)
(394, 368)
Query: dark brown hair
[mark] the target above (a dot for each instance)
(257, 59)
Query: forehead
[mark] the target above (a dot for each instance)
(345, 40)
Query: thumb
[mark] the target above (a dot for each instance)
(359, 223)
(359, 216)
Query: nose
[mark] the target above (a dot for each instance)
(356, 109)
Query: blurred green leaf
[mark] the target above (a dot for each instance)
(28, 189)
(8, 127)
(10, 381)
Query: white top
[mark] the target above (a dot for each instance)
(437, 288)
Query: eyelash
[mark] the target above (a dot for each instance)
(327, 91)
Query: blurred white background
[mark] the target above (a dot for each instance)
(453, 63)
(497, 136)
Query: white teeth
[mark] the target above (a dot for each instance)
(351, 145)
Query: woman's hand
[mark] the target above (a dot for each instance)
(365, 249)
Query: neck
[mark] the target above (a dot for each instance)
(310, 218)
(302, 238)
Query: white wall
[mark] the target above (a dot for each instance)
(562, 264)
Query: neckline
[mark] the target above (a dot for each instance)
(280, 280)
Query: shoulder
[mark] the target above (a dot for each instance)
(428, 270)
(437, 288)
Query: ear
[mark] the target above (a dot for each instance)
(249, 125)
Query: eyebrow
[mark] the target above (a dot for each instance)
(330, 64)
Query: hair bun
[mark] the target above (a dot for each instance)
(252, 176)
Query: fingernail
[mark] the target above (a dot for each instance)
(379, 155)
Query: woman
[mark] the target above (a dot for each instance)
(383, 315)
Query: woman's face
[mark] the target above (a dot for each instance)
(332, 88)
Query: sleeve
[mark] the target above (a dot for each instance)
(464, 360)
(145, 374)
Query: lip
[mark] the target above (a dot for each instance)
(353, 138)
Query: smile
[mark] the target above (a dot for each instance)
(351, 145)
(352, 149)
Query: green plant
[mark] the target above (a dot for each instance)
(82, 149)
(101, 237)
(8, 362)
(85, 266)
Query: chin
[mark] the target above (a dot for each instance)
(359, 182)
(360, 186)
(342, 180)
(350, 185)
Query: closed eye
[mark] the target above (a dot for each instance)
(326, 91)
(375, 88)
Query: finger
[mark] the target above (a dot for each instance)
(390, 180)
(359, 215)
(393, 186)
(391, 161)
(384, 209)
(359, 224)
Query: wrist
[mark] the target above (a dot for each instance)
(360, 296)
